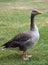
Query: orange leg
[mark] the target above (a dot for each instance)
(26, 57)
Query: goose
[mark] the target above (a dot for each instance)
(26, 39)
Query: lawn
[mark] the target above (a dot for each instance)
(15, 18)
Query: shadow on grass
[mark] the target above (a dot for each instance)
(11, 57)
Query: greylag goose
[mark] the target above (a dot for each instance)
(25, 39)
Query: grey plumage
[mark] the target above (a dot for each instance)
(25, 39)
(20, 40)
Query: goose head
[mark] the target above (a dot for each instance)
(35, 12)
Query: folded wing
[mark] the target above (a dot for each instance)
(19, 40)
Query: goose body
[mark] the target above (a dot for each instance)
(33, 38)
(25, 39)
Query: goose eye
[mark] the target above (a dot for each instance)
(34, 11)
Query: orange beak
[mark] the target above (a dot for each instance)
(39, 12)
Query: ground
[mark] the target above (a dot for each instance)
(15, 18)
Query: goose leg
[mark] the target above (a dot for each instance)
(25, 56)
(29, 56)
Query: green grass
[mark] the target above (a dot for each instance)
(14, 20)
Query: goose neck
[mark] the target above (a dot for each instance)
(32, 23)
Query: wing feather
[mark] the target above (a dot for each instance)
(22, 37)
(19, 40)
